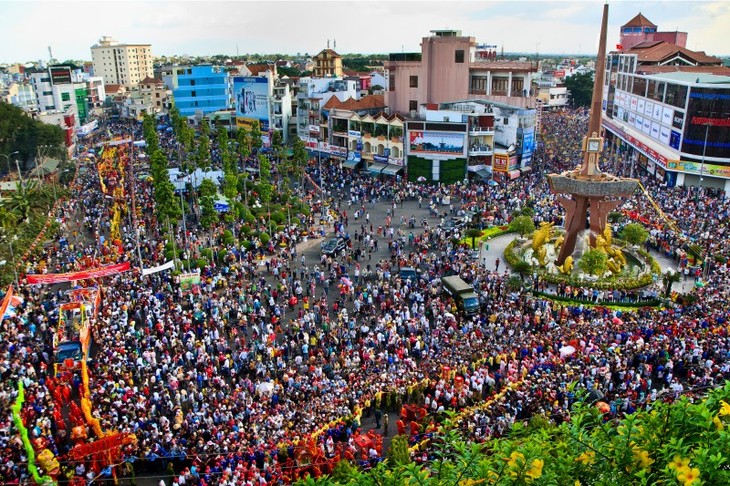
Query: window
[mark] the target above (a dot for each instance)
(505, 121)
(391, 82)
(48, 93)
(413, 105)
(65, 97)
(459, 56)
(192, 82)
(192, 93)
(414, 81)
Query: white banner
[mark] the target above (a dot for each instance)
(159, 268)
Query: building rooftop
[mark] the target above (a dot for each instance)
(693, 77)
(661, 52)
(257, 69)
(504, 65)
(328, 51)
(350, 104)
(639, 21)
(149, 80)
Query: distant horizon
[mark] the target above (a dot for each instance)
(199, 29)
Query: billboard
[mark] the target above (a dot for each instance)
(443, 143)
(252, 101)
(60, 74)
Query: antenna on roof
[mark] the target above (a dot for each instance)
(328, 43)
(335, 45)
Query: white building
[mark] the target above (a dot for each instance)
(281, 109)
(124, 64)
(61, 90)
(312, 96)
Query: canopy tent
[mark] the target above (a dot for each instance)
(376, 168)
(391, 169)
(350, 164)
(180, 179)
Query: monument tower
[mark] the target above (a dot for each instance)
(587, 192)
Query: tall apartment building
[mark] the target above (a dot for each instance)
(203, 88)
(123, 64)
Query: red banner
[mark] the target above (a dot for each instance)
(105, 444)
(53, 278)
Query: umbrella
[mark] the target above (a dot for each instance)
(617, 321)
(566, 351)
(449, 315)
(265, 388)
(421, 179)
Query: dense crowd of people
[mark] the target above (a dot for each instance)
(274, 355)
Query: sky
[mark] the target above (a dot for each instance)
(196, 28)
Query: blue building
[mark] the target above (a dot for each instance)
(199, 88)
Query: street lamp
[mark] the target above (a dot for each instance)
(7, 158)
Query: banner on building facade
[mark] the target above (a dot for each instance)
(53, 278)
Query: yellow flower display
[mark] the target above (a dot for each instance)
(515, 462)
(724, 408)
(679, 463)
(587, 458)
(535, 470)
(643, 458)
(688, 476)
(718, 423)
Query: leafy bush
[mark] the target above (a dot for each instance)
(265, 238)
(222, 254)
(228, 238)
(202, 262)
(635, 234)
(522, 225)
(593, 262)
(206, 253)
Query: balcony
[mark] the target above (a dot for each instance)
(476, 130)
(480, 150)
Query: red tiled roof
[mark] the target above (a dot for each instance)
(656, 52)
(639, 21)
(111, 88)
(149, 80)
(350, 104)
(257, 69)
(328, 51)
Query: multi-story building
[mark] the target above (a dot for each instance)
(21, 94)
(359, 130)
(667, 110)
(124, 64)
(640, 29)
(327, 64)
(312, 95)
(149, 97)
(451, 67)
(281, 110)
(62, 88)
(202, 88)
(447, 141)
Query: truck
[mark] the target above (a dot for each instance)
(73, 338)
(463, 293)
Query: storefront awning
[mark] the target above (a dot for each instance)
(514, 174)
(484, 173)
(392, 169)
(376, 168)
(350, 164)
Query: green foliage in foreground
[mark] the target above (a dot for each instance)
(683, 444)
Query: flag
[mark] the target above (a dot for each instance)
(14, 302)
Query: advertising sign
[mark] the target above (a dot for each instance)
(353, 133)
(446, 143)
(338, 151)
(667, 116)
(501, 163)
(664, 135)
(657, 115)
(314, 128)
(528, 141)
(252, 99)
(655, 130)
(60, 74)
(708, 169)
(707, 123)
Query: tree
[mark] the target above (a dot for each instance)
(202, 154)
(593, 262)
(19, 132)
(207, 192)
(580, 87)
(299, 158)
(522, 225)
(256, 135)
(668, 278)
(634, 234)
(149, 131)
(473, 233)
(166, 204)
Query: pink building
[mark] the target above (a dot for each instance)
(453, 67)
(640, 29)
